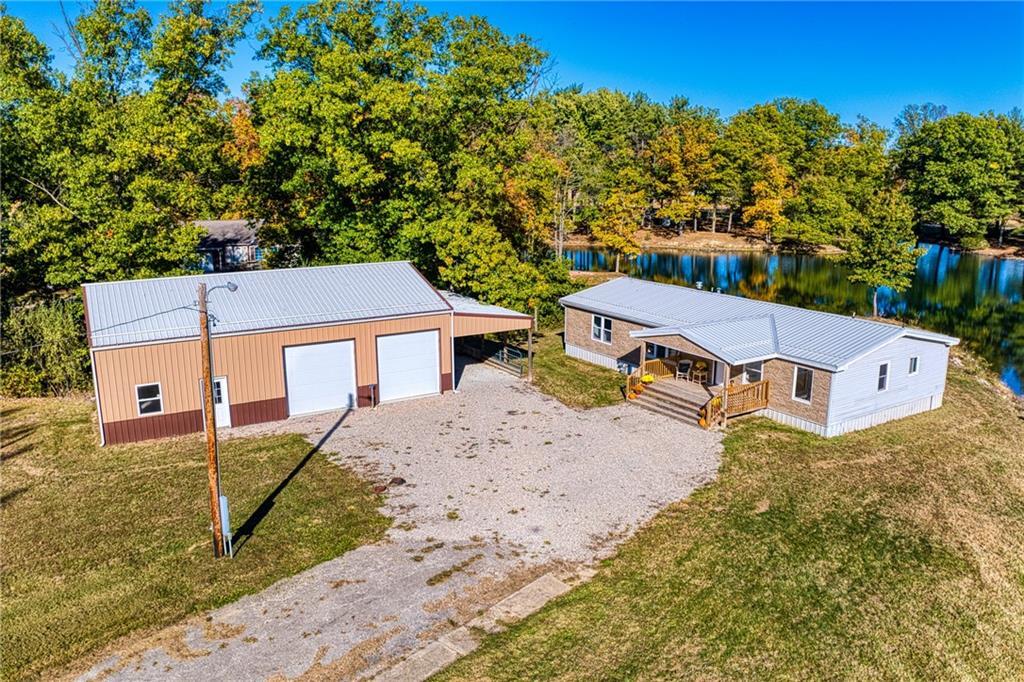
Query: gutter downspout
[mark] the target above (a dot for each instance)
(451, 335)
(96, 391)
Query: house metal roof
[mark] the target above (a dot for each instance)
(220, 233)
(739, 329)
(464, 305)
(149, 310)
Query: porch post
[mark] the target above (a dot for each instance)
(643, 355)
(529, 354)
(725, 395)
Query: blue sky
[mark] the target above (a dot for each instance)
(857, 58)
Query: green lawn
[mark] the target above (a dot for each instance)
(575, 383)
(100, 542)
(896, 552)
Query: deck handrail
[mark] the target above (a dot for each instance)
(659, 368)
(734, 400)
(744, 398)
(712, 412)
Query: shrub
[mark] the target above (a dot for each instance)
(19, 381)
(44, 349)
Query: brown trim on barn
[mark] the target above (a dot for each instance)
(258, 411)
(157, 426)
(446, 381)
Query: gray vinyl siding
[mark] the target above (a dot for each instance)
(855, 401)
(596, 358)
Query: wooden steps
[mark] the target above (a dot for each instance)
(674, 399)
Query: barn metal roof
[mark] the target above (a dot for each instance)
(148, 310)
(739, 329)
(470, 306)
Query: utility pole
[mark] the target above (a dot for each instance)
(212, 465)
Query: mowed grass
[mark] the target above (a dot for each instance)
(894, 553)
(100, 542)
(573, 382)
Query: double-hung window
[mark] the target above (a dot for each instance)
(883, 376)
(753, 372)
(803, 380)
(601, 329)
(913, 366)
(149, 399)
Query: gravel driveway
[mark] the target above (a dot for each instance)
(502, 484)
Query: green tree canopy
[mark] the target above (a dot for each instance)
(960, 173)
(116, 161)
(385, 132)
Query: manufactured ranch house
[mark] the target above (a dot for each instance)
(284, 342)
(712, 355)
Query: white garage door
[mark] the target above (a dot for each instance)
(408, 365)
(320, 377)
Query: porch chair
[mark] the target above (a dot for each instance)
(683, 369)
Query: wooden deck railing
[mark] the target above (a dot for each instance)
(745, 398)
(712, 413)
(732, 401)
(633, 379)
(659, 368)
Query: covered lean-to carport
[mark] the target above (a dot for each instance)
(284, 343)
(475, 322)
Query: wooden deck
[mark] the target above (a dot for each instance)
(690, 401)
(686, 390)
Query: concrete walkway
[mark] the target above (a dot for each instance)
(503, 485)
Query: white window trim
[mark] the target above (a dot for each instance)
(888, 376)
(915, 361)
(746, 379)
(796, 370)
(599, 338)
(138, 408)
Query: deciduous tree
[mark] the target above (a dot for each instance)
(882, 251)
(959, 172)
(621, 214)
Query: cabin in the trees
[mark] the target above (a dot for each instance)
(712, 356)
(284, 343)
(229, 245)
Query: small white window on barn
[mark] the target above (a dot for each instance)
(753, 371)
(913, 366)
(803, 380)
(883, 376)
(601, 329)
(149, 399)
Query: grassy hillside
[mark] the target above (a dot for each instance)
(100, 542)
(895, 552)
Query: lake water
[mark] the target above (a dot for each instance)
(977, 298)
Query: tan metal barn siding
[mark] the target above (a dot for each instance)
(253, 364)
(471, 325)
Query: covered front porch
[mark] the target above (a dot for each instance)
(677, 376)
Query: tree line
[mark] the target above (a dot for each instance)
(380, 131)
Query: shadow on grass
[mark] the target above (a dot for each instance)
(248, 527)
(10, 436)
